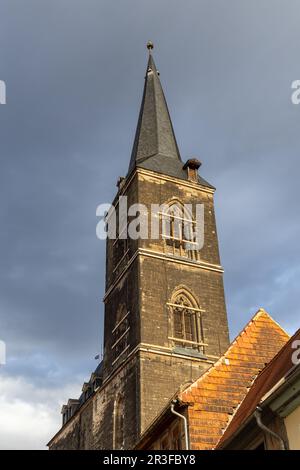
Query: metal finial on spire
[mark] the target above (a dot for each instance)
(150, 46)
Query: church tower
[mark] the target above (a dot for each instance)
(165, 315)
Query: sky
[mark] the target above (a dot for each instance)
(74, 73)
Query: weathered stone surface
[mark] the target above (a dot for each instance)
(150, 371)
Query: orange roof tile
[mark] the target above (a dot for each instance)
(277, 368)
(215, 396)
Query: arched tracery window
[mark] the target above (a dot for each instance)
(186, 321)
(179, 230)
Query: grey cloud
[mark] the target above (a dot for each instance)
(74, 72)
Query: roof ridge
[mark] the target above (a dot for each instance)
(260, 312)
(270, 363)
(261, 371)
(276, 322)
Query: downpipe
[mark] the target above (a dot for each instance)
(267, 430)
(186, 438)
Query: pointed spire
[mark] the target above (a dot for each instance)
(155, 146)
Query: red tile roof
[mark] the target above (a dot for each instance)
(277, 369)
(215, 396)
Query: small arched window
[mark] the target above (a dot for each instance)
(118, 429)
(186, 321)
(179, 230)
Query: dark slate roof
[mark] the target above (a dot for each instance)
(155, 147)
(99, 369)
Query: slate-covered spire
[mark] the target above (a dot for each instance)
(155, 146)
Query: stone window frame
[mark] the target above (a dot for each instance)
(191, 310)
(174, 238)
(120, 335)
(120, 245)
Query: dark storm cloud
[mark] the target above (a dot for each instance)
(74, 74)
